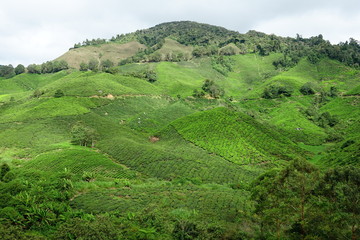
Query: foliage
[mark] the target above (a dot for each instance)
(33, 68)
(48, 67)
(58, 93)
(277, 91)
(222, 65)
(212, 89)
(7, 71)
(232, 136)
(93, 65)
(307, 89)
(167, 166)
(102, 227)
(151, 76)
(4, 170)
(298, 203)
(202, 51)
(106, 64)
(83, 135)
(91, 42)
(19, 69)
(84, 66)
(228, 50)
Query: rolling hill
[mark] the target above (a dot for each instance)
(193, 132)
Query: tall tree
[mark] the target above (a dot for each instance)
(283, 199)
(19, 69)
(7, 71)
(339, 191)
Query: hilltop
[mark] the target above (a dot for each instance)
(183, 131)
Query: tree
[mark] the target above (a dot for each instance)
(93, 65)
(339, 191)
(106, 64)
(212, 89)
(228, 50)
(47, 67)
(84, 67)
(83, 135)
(58, 93)
(19, 69)
(37, 93)
(155, 57)
(33, 68)
(307, 89)
(276, 91)
(7, 71)
(198, 94)
(326, 119)
(334, 92)
(185, 228)
(150, 76)
(60, 66)
(283, 200)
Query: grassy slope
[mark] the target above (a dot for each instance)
(285, 113)
(47, 108)
(234, 136)
(202, 149)
(171, 47)
(172, 156)
(249, 71)
(112, 51)
(78, 160)
(23, 85)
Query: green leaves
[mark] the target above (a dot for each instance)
(297, 202)
(4, 170)
(83, 135)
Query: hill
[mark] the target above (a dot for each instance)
(183, 131)
(112, 51)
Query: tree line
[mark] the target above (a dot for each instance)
(211, 40)
(8, 71)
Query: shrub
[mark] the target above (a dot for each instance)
(151, 76)
(333, 92)
(59, 93)
(84, 66)
(88, 176)
(93, 65)
(277, 91)
(37, 93)
(307, 89)
(4, 170)
(106, 64)
(212, 89)
(228, 50)
(9, 176)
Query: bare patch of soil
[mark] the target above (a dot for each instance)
(153, 139)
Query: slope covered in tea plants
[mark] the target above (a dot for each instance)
(235, 137)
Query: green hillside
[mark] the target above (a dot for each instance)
(234, 136)
(183, 131)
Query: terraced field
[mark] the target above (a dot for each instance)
(164, 160)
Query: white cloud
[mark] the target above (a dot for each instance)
(330, 23)
(41, 30)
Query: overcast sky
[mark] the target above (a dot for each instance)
(35, 31)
